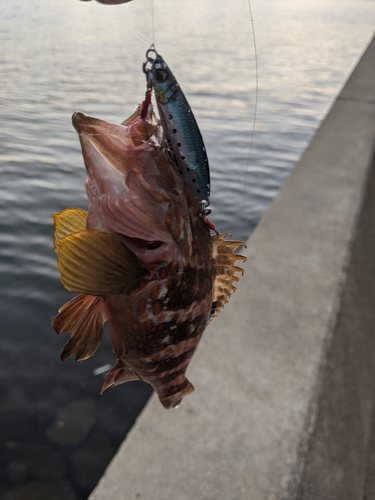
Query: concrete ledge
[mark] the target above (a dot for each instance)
(285, 376)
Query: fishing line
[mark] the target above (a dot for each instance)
(255, 110)
(144, 41)
(152, 27)
(153, 21)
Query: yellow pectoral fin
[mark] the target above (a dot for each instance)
(97, 263)
(69, 221)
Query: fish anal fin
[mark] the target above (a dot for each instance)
(84, 317)
(69, 221)
(224, 264)
(96, 263)
(118, 374)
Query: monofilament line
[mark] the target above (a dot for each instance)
(144, 41)
(153, 21)
(255, 105)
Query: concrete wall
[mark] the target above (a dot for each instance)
(285, 376)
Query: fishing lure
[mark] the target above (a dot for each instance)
(183, 140)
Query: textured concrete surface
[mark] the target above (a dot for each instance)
(251, 428)
(335, 462)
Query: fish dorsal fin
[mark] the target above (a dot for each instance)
(224, 263)
(83, 316)
(97, 263)
(69, 221)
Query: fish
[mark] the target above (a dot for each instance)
(142, 258)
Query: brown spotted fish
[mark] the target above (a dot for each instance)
(142, 258)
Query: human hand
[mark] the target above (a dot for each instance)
(110, 2)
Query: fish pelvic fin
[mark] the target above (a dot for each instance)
(83, 316)
(224, 264)
(97, 263)
(118, 374)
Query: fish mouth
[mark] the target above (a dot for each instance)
(133, 132)
(111, 134)
(88, 125)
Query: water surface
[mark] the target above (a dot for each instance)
(56, 433)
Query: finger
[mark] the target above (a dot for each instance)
(109, 2)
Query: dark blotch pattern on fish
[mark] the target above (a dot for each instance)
(167, 364)
(167, 379)
(176, 333)
(175, 389)
(183, 291)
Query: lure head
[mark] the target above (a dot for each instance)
(159, 76)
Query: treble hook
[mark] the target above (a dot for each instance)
(203, 212)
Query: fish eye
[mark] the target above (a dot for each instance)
(161, 75)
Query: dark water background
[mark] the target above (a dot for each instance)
(56, 433)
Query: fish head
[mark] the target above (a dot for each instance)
(133, 190)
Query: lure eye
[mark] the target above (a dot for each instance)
(161, 75)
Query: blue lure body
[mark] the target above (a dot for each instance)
(183, 140)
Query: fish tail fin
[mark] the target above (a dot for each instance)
(83, 316)
(171, 396)
(118, 374)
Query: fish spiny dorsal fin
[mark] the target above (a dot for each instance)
(83, 316)
(97, 263)
(224, 264)
(69, 221)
